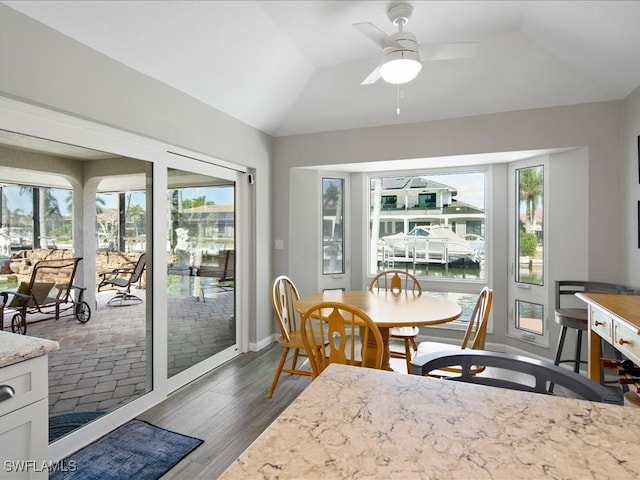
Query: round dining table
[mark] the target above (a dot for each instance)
(389, 310)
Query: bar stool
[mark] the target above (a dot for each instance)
(576, 318)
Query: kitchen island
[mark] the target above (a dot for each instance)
(354, 422)
(24, 409)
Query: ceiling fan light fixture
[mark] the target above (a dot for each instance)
(400, 66)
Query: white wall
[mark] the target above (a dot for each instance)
(44, 68)
(568, 220)
(596, 127)
(630, 191)
(302, 244)
(567, 230)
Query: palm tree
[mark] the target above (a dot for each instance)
(47, 207)
(176, 211)
(330, 196)
(51, 203)
(134, 214)
(100, 202)
(530, 182)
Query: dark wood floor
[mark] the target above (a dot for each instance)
(228, 409)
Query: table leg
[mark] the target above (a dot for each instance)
(371, 347)
(594, 355)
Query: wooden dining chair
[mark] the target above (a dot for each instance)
(397, 282)
(477, 329)
(327, 336)
(284, 295)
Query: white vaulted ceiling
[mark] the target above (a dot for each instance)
(288, 67)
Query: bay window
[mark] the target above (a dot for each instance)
(434, 227)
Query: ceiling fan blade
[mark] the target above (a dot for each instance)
(376, 35)
(448, 51)
(373, 77)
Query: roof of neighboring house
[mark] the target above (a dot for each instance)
(407, 182)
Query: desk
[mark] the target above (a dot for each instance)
(364, 423)
(616, 320)
(388, 310)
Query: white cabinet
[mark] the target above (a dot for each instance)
(627, 340)
(24, 421)
(601, 323)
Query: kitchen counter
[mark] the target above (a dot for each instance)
(361, 423)
(16, 348)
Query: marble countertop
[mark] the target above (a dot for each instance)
(361, 423)
(16, 348)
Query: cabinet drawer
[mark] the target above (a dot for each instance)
(627, 340)
(27, 380)
(601, 323)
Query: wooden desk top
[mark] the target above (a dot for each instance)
(626, 307)
(362, 423)
(388, 310)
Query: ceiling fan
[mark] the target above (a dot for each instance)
(402, 57)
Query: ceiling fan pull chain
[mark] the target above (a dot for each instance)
(398, 99)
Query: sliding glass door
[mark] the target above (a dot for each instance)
(91, 209)
(201, 268)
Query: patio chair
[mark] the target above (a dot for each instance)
(50, 293)
(123, 278)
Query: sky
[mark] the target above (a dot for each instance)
(219, 195)
(470, 187)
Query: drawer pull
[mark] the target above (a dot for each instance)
(622, 341)
(598, 323)
(6, 392)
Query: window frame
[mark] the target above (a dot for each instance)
(517, 291)
(335, 225)
(438, 285)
